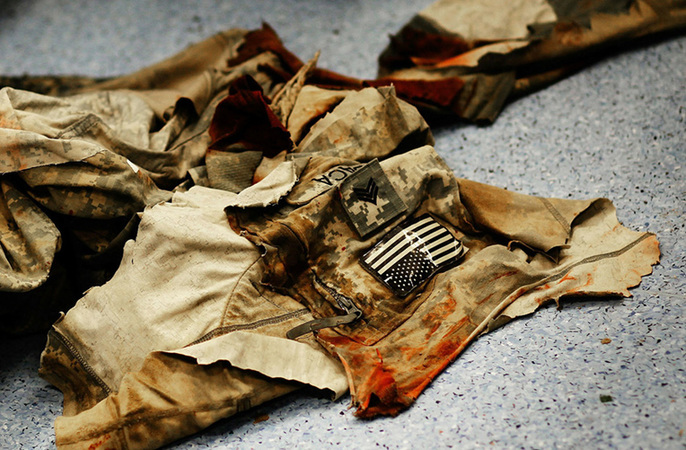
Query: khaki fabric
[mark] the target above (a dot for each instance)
(494, 50)
(184, 317)
(72, 179)
(507, 19)
(152, 407)
(365, 125)
(188, 298)
(55, 148)
(76, 169)
(521, 252)
(233, 196)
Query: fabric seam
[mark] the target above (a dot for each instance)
(79, 128)
(590, 259)
(77, 355)
(240, 278)
(249, 326)
(557, 215)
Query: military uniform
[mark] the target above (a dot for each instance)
(428, 262)
(186, 327)
(348, 256)
(393, 265)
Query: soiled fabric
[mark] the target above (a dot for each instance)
(495, 50)
(185, 333)
(362, 245)
(76, 169)
(81, 157)
(275, 226)
(193, 326)
(181, 336)
(68, 183)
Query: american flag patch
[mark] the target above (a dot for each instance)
(411, 253)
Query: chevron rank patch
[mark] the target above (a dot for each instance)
(411, 253)
(370, 199)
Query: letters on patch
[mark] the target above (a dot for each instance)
(337, 174)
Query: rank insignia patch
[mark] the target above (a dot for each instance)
(370, 199)
(411, 253)
(368, 193)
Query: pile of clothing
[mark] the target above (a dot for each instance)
(244, 224)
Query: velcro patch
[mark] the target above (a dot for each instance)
(411, 253)
(370, 199)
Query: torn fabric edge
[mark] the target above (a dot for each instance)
(270, 189)
(274, 357)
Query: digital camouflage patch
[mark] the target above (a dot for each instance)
(370, 199)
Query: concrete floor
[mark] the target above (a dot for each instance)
(616, 130)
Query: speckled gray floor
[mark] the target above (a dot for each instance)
(616, 130)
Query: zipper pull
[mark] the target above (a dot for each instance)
(353, 313)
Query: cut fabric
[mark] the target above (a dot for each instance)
(181, 336)
(521, 251)
(77, 169)
(187, 310)
(246, 224)
(495, 50)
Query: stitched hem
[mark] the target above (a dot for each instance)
(74, 353)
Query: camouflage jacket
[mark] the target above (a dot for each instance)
(185, 328)
(403, 265)
(393, 266)
(357, 230)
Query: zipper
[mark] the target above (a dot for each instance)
(352, 313)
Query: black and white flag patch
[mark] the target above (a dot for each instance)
(411, 253)
(370, 199)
